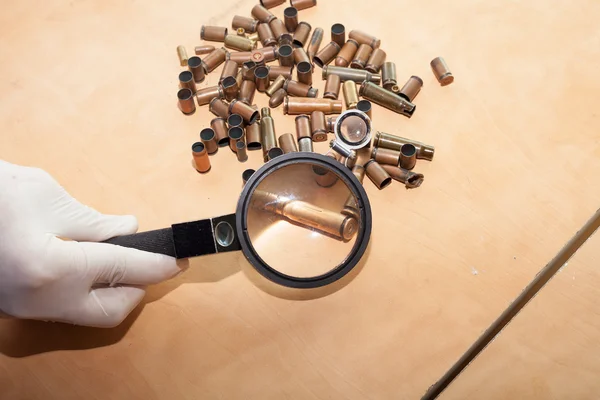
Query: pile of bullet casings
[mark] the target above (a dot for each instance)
(360, 72)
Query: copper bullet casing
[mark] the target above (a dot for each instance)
(361, 57)
(261, 78)
(271, 3)
(375, 61)
(230, 88)
(249, 114)
(288, 144)
(248, 70)
(182, 55)
(267, 128)
(388, 75)
(267, 38)
(300, 56)
(219, 108)
(411, 88)
(200, 157)
(385, 98)
(441, 71)
(239, 78)
(269, 54)
(350, 74)
(214, 59)
(295, 88)
(303, 4)
(220, 127)
(213, 33)
(318, 128)
(306, 105)
(273, 153)
(246, 93)
(258, 57)
(185, 101)
(285, 54)
(301, 34)
(276, 70)
(302, 127)
(230, 68)
(236, 134)
(240, 150)
(314, 43)
(235, 120)
(205, 95)
(186, 80)
(364, 38)
(240, 43)
(209, 139)
(290, 19)
(275, 85)
(330, 124)
(377, 174)
(350, 94)
(408, 156)
(304, 72)
(253, 136)
(323, 176)
(332, 87)
(280, 31)
(277, 98)
(366, 107)
(240, 57)
(389, 141)
(196, 68)
(247, 174)
(385, 156)
(409, 178)
(346, 53)
(248, 24)
(326, 54)
(305, 145)
(262, 14)
(338, 34)
(205, 49)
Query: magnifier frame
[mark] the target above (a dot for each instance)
(363, 235)
(338, 135)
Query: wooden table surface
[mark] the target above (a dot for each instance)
(88, 94)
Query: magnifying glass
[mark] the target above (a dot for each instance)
(293, 230)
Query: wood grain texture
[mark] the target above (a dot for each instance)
(89, 95)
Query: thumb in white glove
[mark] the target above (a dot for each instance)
(76, 281)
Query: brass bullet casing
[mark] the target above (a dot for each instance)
(196, 68)
(326, 54)
(200, 157)
(266, 35)
(271, 3)
(209, 139)
(205, 49)
(220, 127)
(239, 78)
(185, 101)
(338, 34)
(240, 57)
(411, 88)
(249, 114)
(277, 98)
(361, 57)
(346, 54)
(306, 105)
(240, 32)
(389, 141)
(269, 54)
(247, 174)
(410, 179)
(408, 156)
(350, 74)
(253, 36)
(275, 85)
(276, 70)
(377, 174)
(236, 134)
(288, 144)
(262, 14)
(359, 172)
(305, 145)
(332, 87)
(330, 124)
(294, 88)
(350, 94)
(182, 55)
(240, 149)
(364, 38)
(304, 72)
(230, 68)
(303, 127)
(261, 78)
(235, 120)
(441, 71)
(267, 128)
(213, 33)
(314, 43)
(325, 177)
(385, 156)
(318, 127)
(205, 95)
(246, 93)
(395, 89)
(303, 4)
(366, 107)
(290, 19)
(248, 70)
(219, 108)
(375, 61)
(230, 88)
(274, 152)
(280, 31)
(253, 136)
(285, 54)
(248, 24)
(388, 75)
(301, 34)
(385, 98)
(300, 55)
(214, 59)
(186, 80)
(257, 57)
(239, 43)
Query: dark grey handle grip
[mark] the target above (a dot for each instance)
(157, 241)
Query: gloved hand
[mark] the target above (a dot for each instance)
(74, 280)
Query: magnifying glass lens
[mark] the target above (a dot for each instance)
(300, 227)
(353, 129)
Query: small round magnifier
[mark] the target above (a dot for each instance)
(293, 230)
(352, 129)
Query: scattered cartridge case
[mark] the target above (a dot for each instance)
(247, 174)
(441, 71)
(209, 139)
(248, 70)
(271, 3)
(200, 156)
(288, 144)
(269, 54)
(275, 86)
(377, 174)
(385, 98)
(253, 136)
(196, 68)
(236, 134)
(395, 89)
(186, 80)
(305, 145)
(253, 36)
(239, 43)
(204, 49)
(239, 78)
(290, 19)
(230, 68)
(261, 77)
(389, 141)
(276, 70)
(409, 178)
(214, 59)
(303, 127)
(330, 124)
(324, 176)
(219, 125)
(240, 149)
(267, 38)
(240, 57)
(408, 156)
(306, 105)
(350, 94)
(258, 57)
(248, 24)
(230, 88)
(246, 93)
(350, 74)
(182, 55)
(411, 88)
(280, 31)
(318, 129)
(185, 101)
(235, 120)
(273, 153)
(332, 87)
(364, 38)
(338, 34)
(219, 108)
(277, 98)
(262, 14)
(249, 114)
(213, 33)
(240, 32)
(346, 53)
(361, 57)
(376, 60)
(295, 88)
(300, 55)
(303, 4)
(314, 43)
(205, 95)
(388, 75)
(385, 156)
(304, 71)
(267, 128)
(326, 54)
(365, 106)
(359, 172)
(285, 55)
(301, 34)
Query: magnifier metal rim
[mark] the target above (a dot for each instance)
(363, 234)
(340, 137)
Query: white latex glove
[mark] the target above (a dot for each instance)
(75, 281)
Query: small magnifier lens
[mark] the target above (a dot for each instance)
(353, 127)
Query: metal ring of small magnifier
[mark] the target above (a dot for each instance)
(231, 232)
(353, 129)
